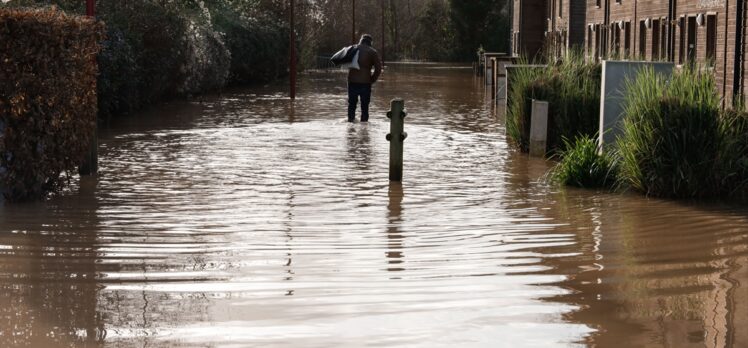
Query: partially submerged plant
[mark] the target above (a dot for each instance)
(582, 165)
(571, 86)
(671, 139)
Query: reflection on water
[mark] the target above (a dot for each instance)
(394, 220)
(251, 220)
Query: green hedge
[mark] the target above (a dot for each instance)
(156, 50)
(153, 52)
(47, 98)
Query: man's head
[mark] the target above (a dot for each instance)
(366, 39)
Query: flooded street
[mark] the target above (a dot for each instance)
(247, 220)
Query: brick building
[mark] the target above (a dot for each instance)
(705, 32)
(710, 33)
(528, 28)
(561, 25)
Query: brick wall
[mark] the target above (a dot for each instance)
(655, 35)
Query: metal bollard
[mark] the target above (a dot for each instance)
(396, 137)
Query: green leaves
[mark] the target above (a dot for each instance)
(572, 89)
(582, 165)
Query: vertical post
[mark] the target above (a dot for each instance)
(538, 128)
(383, 33)
(493, 78)
(396, 137)
(353, 27)
(90, 8)
(90, 162)
(292, 51)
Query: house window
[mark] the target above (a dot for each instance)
(642, 40)
(655, 39)
(681, 40)
(663, 39)
(560, 8)
(691, 40)
(711, 39)
(597, 3)
(626, 39)
(615, 37)
(589, 40)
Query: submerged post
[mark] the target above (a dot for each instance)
(292, 50)
(396, 137)
(90, 163)
(538, 128)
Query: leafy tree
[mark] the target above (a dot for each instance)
(480, 22)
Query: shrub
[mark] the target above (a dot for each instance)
(259, 47)
(670, 140)
(572, 89)
(582, 165)
(119, 76)
(733, 157)
(47, 98)
(207, 60)
(156, 51)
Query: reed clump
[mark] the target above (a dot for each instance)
(571, 86)
(676, 141)
(582, 165)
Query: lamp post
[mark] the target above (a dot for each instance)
(292, 61)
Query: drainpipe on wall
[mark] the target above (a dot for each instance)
(635, 38)
(724, 57)
(670, 34)
(737, 83)
(606, 29)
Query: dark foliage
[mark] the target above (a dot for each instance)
(47, 98)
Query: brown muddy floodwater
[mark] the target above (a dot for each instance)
(249, 221)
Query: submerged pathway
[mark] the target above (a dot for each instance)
(247, 220)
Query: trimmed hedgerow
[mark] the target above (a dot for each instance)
(155, 50)
(47, 98)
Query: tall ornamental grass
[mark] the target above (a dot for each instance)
(734, 154)
(582, 165)
(571, 86)
(671, 143)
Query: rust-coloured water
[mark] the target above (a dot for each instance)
(250, 221)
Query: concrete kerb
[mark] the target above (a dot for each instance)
(614, 77)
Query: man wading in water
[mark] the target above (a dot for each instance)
(360, 81)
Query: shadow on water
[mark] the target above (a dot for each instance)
(395, 238)
(49, 273)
